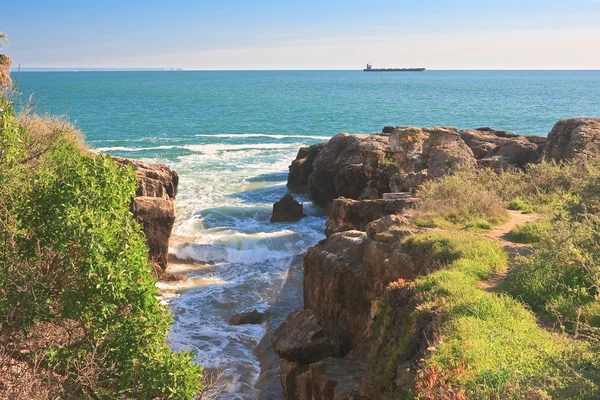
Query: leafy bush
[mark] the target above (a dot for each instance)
(74, 256)
(459, 201)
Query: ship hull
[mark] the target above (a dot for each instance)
(395, 70)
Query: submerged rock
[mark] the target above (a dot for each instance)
(576, 138)
(287, 210)
(154, 205)
(246, 318)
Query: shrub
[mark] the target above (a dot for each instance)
(459, 200)
(74, 256)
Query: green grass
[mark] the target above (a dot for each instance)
(529, 233)
(488, 345)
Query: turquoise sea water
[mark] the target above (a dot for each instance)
(231, 136)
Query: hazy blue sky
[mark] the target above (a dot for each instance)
(306, 34)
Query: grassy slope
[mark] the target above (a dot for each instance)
(484, 344)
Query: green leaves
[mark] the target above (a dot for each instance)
(79, 256)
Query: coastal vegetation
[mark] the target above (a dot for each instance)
(80, 312)
(488, 326)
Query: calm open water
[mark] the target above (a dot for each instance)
(231, 136)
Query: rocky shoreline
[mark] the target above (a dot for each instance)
(324, 347)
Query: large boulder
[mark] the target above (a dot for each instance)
(154, 206)
(576, 138)
(302, 167)
(301, 339)
(510, 149)
(426, 153)
(346, 165)
(247, 318)
(347, 214)
(287, 210)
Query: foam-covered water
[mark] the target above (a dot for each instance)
(231, 137)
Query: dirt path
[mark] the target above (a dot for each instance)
(499, 234)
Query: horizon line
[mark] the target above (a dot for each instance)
(125, 69)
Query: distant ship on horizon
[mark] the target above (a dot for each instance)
(371, 69)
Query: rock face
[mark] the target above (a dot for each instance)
(576, 138)
(501, 146)
(154, 205)
(426, 153)
(302, 167)
(346, 214)
(347, 165)
(251, 317)
(287, 210)
(301, 339)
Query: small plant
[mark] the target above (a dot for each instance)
(528, 233)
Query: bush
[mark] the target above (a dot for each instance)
(461, 201)
(73, 256)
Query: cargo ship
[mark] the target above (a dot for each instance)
(371, 69)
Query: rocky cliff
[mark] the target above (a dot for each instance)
(324, 347)
(399, 159)
(154, 205)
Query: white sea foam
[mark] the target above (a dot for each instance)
(122, 148)
(257, 135)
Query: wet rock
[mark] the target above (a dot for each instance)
(388, 129)
(302, 167)
(345, 166)
(512, 150)
(426, 153)
(287, 210)
(154, 205)
(294, 380)
(346, 214)
(576, 138)
(301, 339)
(246, 318)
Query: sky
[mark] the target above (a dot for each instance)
(304, 34)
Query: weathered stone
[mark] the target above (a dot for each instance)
(389, 228)
(345, 166)
(301, 339)
(154, 205)
(426, 153)
(294, 380)
(576, 138)
(287, 210)
(338, 379)
(346, 214)
(302, 167)
(157, 215)
(245, 318)
(514, 149)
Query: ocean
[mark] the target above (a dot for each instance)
(231, 136)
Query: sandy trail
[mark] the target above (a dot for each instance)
(500, 235)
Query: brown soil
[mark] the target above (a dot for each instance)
(500, 235)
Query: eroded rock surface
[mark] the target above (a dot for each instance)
(246, 318)
(504, 147)
(347, 214)
(287, 210)
(426, 153)
(154, 205)
(302, 167)
(576, 138)
(345, 166)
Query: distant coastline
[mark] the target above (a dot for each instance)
(30, 69)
